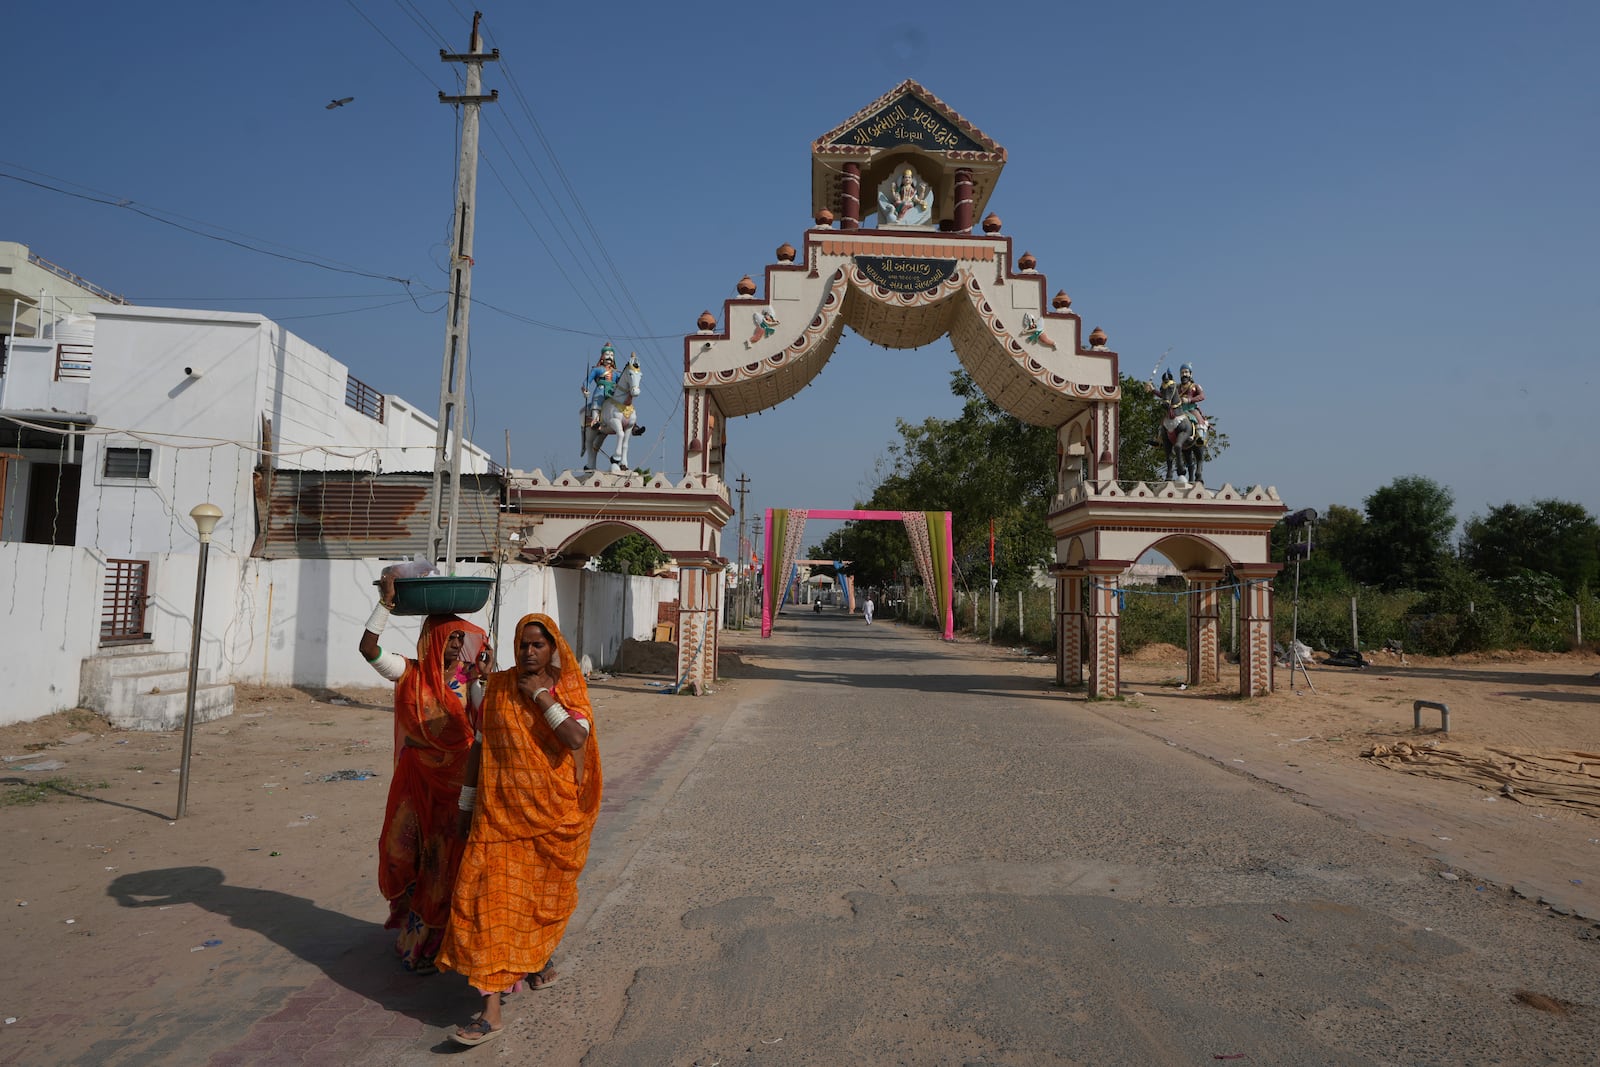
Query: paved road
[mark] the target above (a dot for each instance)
(876, 848)
(893, 850)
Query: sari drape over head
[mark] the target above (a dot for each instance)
(518, 883)
(418, 851)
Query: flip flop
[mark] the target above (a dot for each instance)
(540, 979)
(475, 1033)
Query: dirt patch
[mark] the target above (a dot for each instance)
(1156, 653)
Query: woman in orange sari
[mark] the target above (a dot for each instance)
(435, 717)
(531, 796)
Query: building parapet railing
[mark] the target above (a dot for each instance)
(363, 397)
(1162, 490)
(82, 283)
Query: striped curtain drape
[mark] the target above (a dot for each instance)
(930, 548)
(787, 528)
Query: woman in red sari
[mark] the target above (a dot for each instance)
(435, 718)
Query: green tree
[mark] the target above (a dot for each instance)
(637, 551)
(1340, 535)
(1550, 537)
(986, 466)
(1406, 543)
(874, 549)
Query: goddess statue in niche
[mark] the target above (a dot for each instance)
(905, 200)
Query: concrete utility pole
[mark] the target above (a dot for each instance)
(741, 601)
(442, 523)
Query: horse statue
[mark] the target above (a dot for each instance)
(616, 416)
(1183, 434)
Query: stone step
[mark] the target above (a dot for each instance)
(96, 675)
(125, 688)
(165, 711)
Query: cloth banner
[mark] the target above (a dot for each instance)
(930, 548)
(786, 528)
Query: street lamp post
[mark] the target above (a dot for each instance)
(206, 517)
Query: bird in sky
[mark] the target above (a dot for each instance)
(340, 102)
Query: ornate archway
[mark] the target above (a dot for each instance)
(928, 269)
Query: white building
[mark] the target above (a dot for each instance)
(115, 421)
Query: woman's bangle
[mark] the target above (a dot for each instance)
(555, 715)
(378, 619)
(469, 798)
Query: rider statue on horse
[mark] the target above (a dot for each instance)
(608, 399)
(1184, 427)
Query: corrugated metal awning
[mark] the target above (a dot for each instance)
(305, 514)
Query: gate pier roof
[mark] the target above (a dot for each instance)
(1201, 528)
(564, 519)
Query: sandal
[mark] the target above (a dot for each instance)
(544, 978)
(540, 979)
(475, 1033)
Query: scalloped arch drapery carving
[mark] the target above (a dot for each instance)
(1009, 371)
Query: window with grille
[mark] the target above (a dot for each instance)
(127, 463)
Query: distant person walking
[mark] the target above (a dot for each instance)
(866, 610)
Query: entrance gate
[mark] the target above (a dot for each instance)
(929, 269)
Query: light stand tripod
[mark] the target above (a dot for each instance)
(1303, 523)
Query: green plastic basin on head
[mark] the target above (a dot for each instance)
(441, 595)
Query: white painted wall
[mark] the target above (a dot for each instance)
(49, 621)
(297, 622)
(271, 622)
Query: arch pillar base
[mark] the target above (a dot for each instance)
(1204, 630)
(1255, 627)
(1069, 626)
(1105, 665)
(698, 626)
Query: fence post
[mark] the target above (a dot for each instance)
(1577, 622)
(1021, 630)
(1355, 628)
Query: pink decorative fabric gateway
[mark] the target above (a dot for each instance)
(931, 541)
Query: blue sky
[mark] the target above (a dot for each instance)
(1372, 227)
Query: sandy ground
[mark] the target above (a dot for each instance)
(287, 793)
(1510, 795)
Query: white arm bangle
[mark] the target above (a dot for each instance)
(555, 715)
(378, 620)
(469, 798)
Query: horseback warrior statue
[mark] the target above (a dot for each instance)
(1184, 427)
(608, 408)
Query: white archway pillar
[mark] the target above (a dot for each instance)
(1105, 668)
(1204, 628)
(697, 626)
(1255, 627)
(1069, 626)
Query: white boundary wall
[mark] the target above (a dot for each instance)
(49, 621)
(273, 622)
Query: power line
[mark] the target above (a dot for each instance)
(129, 205)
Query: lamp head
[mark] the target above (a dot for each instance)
(1295, 520)
(206, 517)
